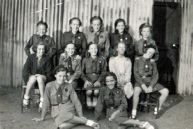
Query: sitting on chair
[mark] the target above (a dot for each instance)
(37, 70)
(146, 77)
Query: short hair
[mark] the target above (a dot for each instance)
(67, 43)
(145, 25)
(90, 43)
(121, 20)
(41, 43)
(42, 23)
(95, 18)
(75, 18)
(110, 74)
(59, 68)
(148, 47)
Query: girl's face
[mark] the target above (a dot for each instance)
(150, 52)
(96, 24)
(110, 82)
(93, 49)
(40, 50)
(121, 48)
(60, 77)
(146, 32)
(75, 25)
(70, 48)
(41, 30)
(120, 27)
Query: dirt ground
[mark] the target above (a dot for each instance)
(177, 114)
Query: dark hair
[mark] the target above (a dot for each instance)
(149, 46)
(59, 68)
(95, 18)
(42, 23)
(110, 74)
(89, 44)
(145, 25)
(67, 43)
(75, 18)
(41, 43)
(126, 27)
(116, 53)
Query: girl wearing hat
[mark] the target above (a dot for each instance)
(72, 63)
(65, 106)
(113, 100)
(93, 67)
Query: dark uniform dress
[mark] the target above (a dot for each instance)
(73, 66)
(102, 39)
(31, 67)
(111, 100)
(63, 102)
(145, 72)
(115, 38)
(45, 39)
(93, 69)
(141, 44)
(78, 39)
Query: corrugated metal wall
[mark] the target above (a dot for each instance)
(19, 17)
(185, 83)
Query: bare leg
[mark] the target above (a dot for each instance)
(88, 98)
(164, 93)
(137, 91)
(41, 84)
(141, 124)
(95, 97)
(66, 125)
(30, 84)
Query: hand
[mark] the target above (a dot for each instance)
(144, 87)
(87, 83)
(97, 84)
(152, 60)
(149, 89)
(83, 118)
(70, 81)
(38, 119)
(113, 115)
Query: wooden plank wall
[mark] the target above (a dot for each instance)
(185, 81)
(19, 18)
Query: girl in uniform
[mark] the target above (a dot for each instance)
(98, 36)
(75, 36)
(93, 67)
(65, 106)
(72, 63)
(113, 100)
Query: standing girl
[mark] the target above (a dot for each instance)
(121, 35)
(75, 36)
(145, 30)
(92, 69)
(98, 36)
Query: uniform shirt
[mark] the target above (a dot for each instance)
(115, 38)
(103, 42)
(78, 39)
(92, 69)
(120, 102)
(151, 75)
(122, 69)
(139, 45)
(75, 66)
(36, 39)
(69, 100)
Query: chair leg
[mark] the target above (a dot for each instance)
(22, 96)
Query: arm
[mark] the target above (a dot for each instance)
(28, 46)
(84, 45)
(77, 71)
(83, 76)
(123, 104)
(103, 69)
(46, 102)
(128, 71)
(76, 102)
(136, 72)
(107, 46)
(111, 65)
(100, 105)
(156, 55)
(26, 70)
(154, 76)
(48, 71)
(53, 48)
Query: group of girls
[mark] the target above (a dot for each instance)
(102, 62)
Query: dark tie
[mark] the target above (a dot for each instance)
(144, 45)
(146, 65)
(96, 38)
(111, 99)
(74, 38)
(94, 66)
(38, 61)
(69, 64)
(59, 95)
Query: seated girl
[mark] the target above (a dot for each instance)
(37, 70)
(92, 69)
(65, 106)
(113, 100)
(121, 66)
(146, 79)
(72, 63)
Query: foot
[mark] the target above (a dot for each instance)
(40, 105)
(26, 100)
(156, 110)
(147, 125)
